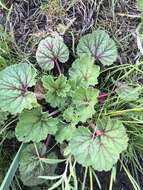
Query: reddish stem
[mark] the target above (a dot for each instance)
(102, 95)
(48, 140)
(58, 67)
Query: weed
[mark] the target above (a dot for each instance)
(75, 99)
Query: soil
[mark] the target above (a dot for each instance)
(27, 23)
(122, 182)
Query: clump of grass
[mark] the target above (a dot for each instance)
(52, 9)
(5, 50)
(130, 113)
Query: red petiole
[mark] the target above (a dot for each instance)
(58, 67)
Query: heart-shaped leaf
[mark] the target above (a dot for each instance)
(50, 50)
(85, 70)
(101, 149)
(31, 166)
(34, 125)
(14, 83)
(99, 45)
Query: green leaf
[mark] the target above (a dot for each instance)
(57, 90)
(101, 149)
(82, 146)
(85, 97)
(74, 84)
(14, 83)
(85, 69)
(31, 166)
(50, 50)
(99, 45)
(140, 5)
(127, 93)
(65, 132)
(70, 115)
(84, 101)
(34, 125)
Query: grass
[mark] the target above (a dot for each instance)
(54, 9)
(131, 114)
(2, 5)
(132, 118)
(7, 140)
(5, 51)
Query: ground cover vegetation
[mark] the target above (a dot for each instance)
(71, 95)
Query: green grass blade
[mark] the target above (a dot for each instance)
(132, 180)
(112, 178)
(3, 6)
(12, 170)
(52, 161)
